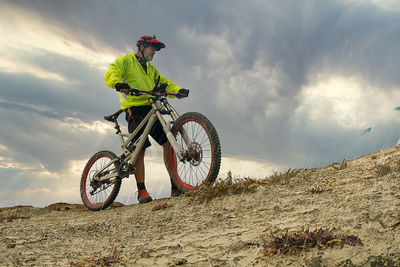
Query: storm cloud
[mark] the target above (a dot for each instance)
(287, 83)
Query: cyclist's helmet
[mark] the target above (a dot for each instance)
(150, 40)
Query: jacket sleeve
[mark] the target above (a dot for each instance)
(172, 87)
(115, 72)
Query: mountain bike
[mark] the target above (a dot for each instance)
(193, 152)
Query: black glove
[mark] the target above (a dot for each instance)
(119, 86)
(161, 89)
(135, 92)
(182, 93)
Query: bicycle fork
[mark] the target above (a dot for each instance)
(167, 129)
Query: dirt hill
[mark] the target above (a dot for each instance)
(350, 208)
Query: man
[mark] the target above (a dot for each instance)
(135, 71)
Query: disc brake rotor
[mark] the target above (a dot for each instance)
(195, 154)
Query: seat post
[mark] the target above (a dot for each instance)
(117, 127)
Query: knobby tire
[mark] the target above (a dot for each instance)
(96, 162)
(204, 167)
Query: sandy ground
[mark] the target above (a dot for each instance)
(227, 231)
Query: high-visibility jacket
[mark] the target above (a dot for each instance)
(128, 70)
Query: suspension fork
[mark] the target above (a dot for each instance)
(166, 127)
(184, 134)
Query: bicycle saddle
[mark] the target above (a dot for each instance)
(114, 116)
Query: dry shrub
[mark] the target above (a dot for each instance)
(285, 177)
(391, 226)
(317, 189)
(305, 239)
(339, 166)
(231, 186)
(224, 188)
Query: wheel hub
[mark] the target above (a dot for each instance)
(195, 154)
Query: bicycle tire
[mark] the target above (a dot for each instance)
(96, 162)
(203, 168)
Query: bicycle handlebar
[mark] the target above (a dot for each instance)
(137, 92)
(155, 93)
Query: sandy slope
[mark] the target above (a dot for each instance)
(226, 231)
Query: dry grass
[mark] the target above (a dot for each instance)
(397, 223)
(305, 239)
(317, 189)
(224, 188)
(339, 166)
(285, 177)
(231, 186)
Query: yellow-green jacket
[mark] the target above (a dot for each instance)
(127, 69)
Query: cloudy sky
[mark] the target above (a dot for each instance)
(286, 83)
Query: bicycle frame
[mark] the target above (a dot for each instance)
(159, 106)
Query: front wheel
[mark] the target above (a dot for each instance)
(99, 195)
(203, 153)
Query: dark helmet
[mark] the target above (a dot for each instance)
(150, 40)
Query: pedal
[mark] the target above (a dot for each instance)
(129, 168)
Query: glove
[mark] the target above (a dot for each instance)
(182, 93)
(161, 89)
(119, 86)
(135, 92)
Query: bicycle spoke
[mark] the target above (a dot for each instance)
(200, 163)
(100, 194)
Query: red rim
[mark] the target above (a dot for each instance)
(84, 184)
(173, 157)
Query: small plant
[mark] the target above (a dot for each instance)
(392, 226)
(317, 189)
(284, 178)
(225, 187)
(339, 166)
(305, 239)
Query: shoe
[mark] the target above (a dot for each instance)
(144, 197)
(175, 192)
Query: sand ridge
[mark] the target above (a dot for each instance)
(356, 197)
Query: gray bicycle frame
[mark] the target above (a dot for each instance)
(153, 115)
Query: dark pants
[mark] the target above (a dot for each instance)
(135, 115)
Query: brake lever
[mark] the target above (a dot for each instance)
(135, 92)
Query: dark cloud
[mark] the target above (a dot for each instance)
(120, 23)
(293, 41)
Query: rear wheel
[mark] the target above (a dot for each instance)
(203, 156)
(99, 195)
